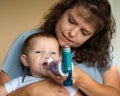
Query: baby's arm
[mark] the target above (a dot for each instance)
(3, 91)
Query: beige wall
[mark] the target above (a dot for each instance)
(116, 41)
(17, 16)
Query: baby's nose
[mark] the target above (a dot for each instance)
(47, 57)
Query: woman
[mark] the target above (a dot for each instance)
(88, 27)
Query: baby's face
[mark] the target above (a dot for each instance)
(41, 50)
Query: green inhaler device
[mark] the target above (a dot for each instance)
(63, 68)
(67, 64)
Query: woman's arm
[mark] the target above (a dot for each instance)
(3, 78)
(43, 88)
(3, 91)
(111, 86)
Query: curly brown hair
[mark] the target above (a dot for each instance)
(97, 48)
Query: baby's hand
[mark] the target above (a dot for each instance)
(59, 79)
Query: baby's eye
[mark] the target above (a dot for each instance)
(38, 52)
(52, 53)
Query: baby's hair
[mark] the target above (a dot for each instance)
(35, 35)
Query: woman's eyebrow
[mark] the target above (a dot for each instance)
(72, 18)
(75, 21)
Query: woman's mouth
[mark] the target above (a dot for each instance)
(66, 40)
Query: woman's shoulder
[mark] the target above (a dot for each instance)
(21, 38)
(29, 32)
(10, 63)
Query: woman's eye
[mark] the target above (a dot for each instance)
(71, 21)
(84, 33)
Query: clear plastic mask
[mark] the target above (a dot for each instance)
(45, 59)
(49, 54)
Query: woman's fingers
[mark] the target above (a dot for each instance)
(57, 78)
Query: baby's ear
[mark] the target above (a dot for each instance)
(24, 60)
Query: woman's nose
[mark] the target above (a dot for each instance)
(74, 32)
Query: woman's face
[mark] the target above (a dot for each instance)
(75, 27)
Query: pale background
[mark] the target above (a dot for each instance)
(17, 16)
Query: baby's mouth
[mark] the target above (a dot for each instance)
(45, 65)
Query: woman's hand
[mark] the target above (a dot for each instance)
(46, 87)
(76, 75)
(89, 86)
